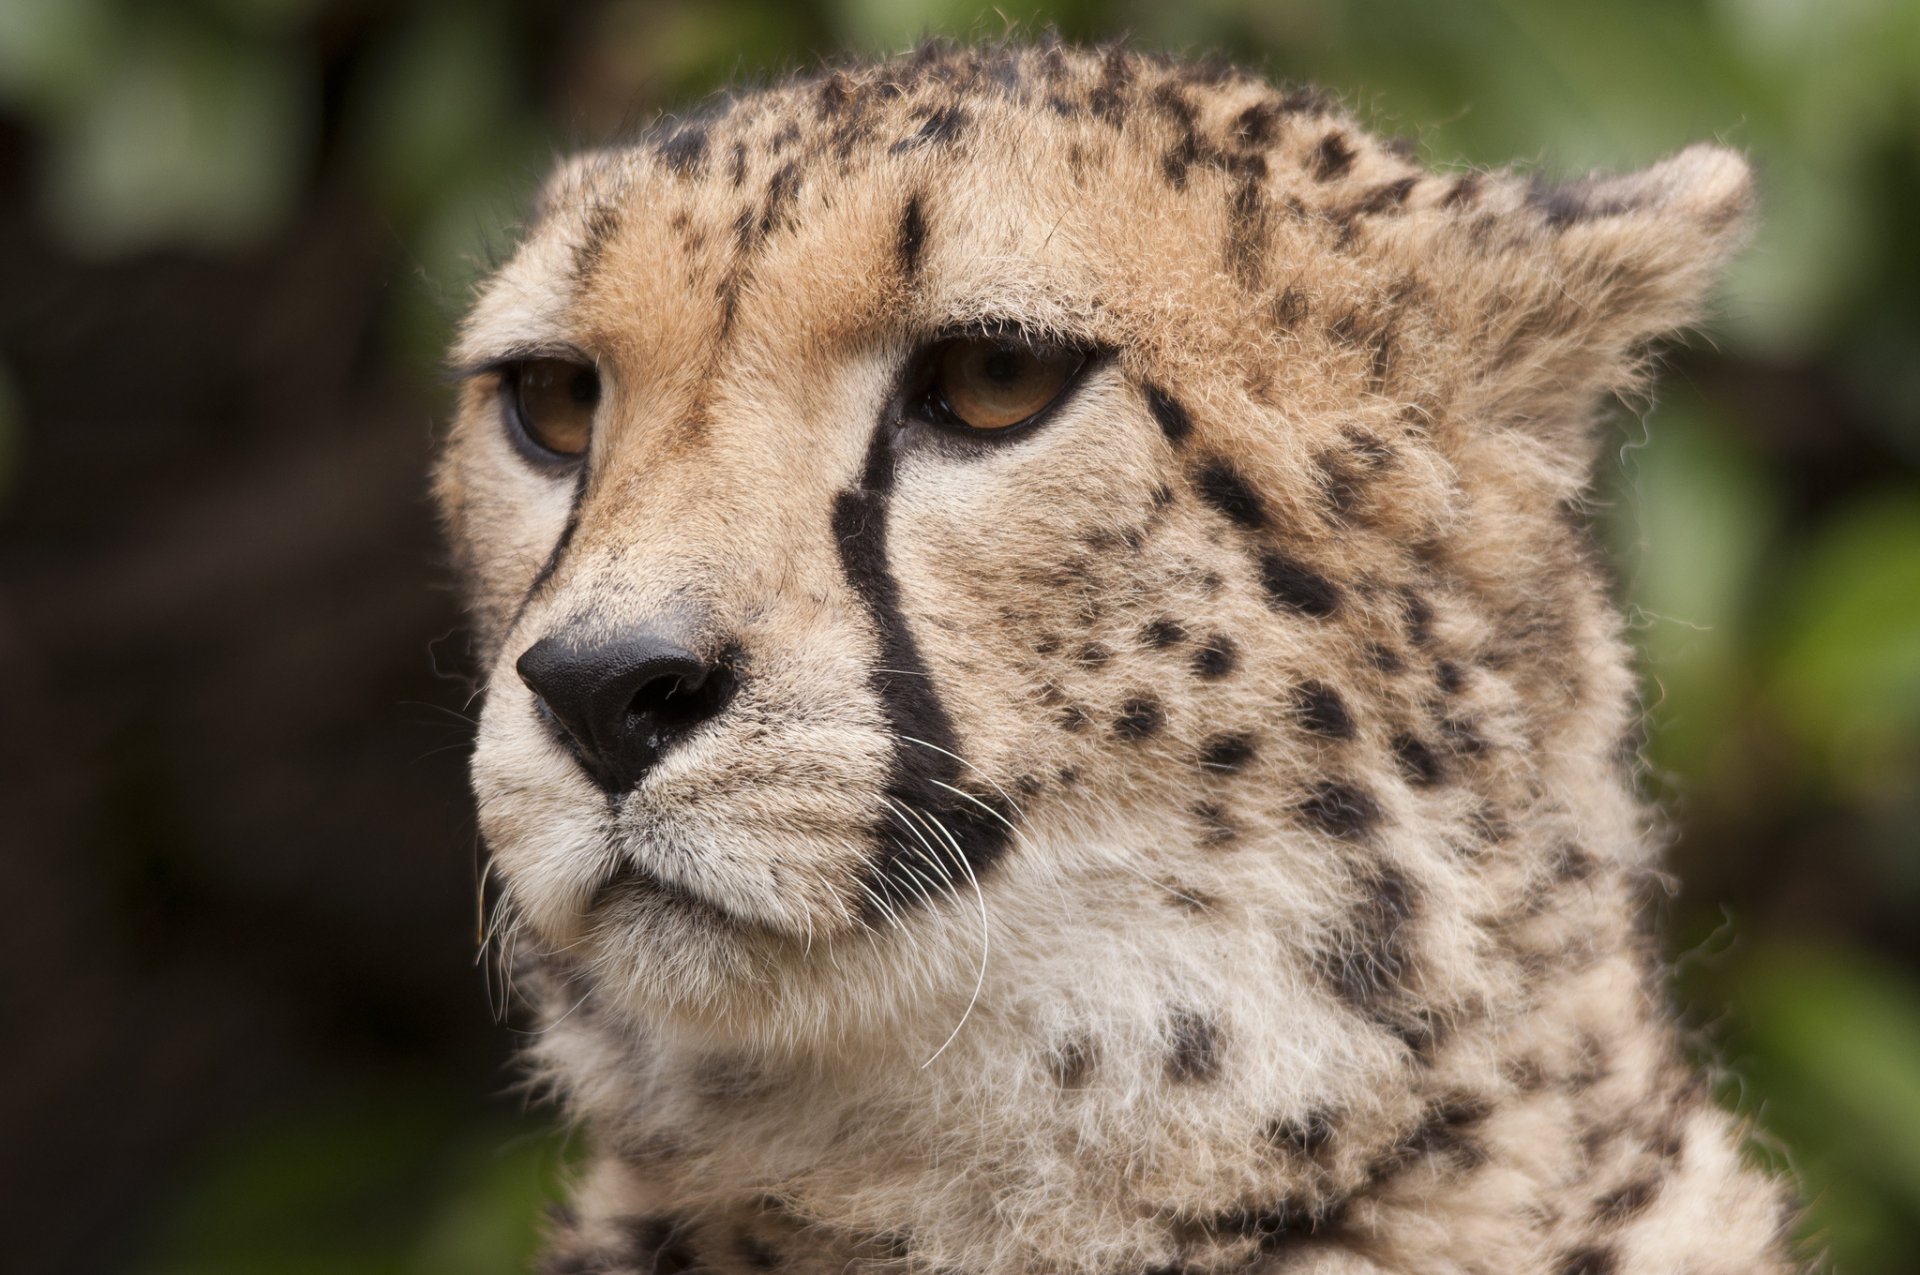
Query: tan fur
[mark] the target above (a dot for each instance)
(1326, 961)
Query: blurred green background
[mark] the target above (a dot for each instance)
(244, 1030)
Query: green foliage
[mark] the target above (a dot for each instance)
(394, 1185)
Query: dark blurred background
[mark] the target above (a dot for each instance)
(244, 1030)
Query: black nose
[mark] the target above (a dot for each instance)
(622, 704)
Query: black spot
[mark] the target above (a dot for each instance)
(757, 1255)
(1222, 487)
(1139, 717)
(941, 128)
(1216, 826)
(1447, 1131)
(1463, 738)
(913, 237)
(1256, 125)
(1384, 198)
(737, 165)
(1449, 677)
(727, 1078)
(1094, 655)
(1194, 1047)
(1419, 613)
(602, 220)
(1071, 1062)
(1173, 418)
(1288, 308)
(685, 151)
(1306, 1135)
(1332, 157)
(1322, 711)
(836, 92)
(1073, 718)
(1574, 202)
(1216, 657)
(1463, 190)
(657, 1244)
(1416, 761)
(1341, 810)
(1573, 862)
(1385, 658)
(1589, 1261)
(1306, 100)
(1175, 162)
(1274, 1226)
(924, 778)
(1163, 633)
(1187, 899)
(1624, 1202)
(1227, 752)
(1108, 100)
(781, 188)
(1290, 585)
(1343, 482)
(1366, 961)
(1247, 228)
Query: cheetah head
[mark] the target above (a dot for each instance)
(937, 527)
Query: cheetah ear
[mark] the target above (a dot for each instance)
(1558, 290)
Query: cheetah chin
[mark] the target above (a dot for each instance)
(1050, 705)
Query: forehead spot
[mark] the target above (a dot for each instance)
(685, 152)
(1223, 487)
(1139, 717)
(1332, 157)
(941, 128)
(1322, 711)
(1173, 419)
(1417, 763)
(1216, 823)
(1340, 809)
(1216, 659)
(1163, 633)
(1291, 586)
(1227, 753)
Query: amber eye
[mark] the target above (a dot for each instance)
(992, 383)
(550, 404)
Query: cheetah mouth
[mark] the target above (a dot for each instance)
(631, 885)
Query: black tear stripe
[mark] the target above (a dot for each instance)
(559, 550)
(961, 838)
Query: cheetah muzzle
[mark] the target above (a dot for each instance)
(1049, 703)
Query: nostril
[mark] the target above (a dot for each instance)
(676, 702)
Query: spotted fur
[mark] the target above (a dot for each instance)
(1188, 836)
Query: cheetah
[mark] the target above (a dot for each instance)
(1049, 702)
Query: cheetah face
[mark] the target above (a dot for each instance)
(919, 499)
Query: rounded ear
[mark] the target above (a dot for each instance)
(1555, 291)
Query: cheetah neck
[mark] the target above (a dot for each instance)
(1098, 1122)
